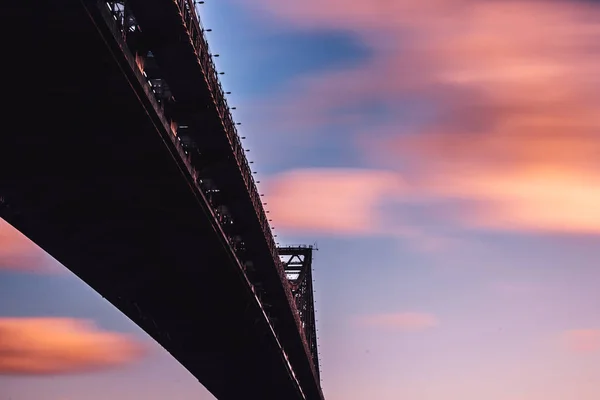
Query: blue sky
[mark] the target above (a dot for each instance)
(443, 155)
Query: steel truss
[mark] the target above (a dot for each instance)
(297, 262)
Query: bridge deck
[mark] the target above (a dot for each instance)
(87, 171)
(174, 36)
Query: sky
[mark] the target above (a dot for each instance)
(445, 157)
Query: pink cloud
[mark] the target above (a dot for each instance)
(341, 201)
(408, 321)
(373, 15)
(344, 202)
(48, 346)
(583, 340)
(19, 253)
(515, 88)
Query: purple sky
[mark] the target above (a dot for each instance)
(443, 154)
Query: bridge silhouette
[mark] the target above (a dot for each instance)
(120, 158)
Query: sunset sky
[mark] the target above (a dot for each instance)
(445, 157)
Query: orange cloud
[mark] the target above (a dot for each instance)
(410, 321)
(334, 200)
(345, 202)
(514, 90)
(583, 340)
(19, 253)
(44, 346)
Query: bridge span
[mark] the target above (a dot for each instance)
(120, 158)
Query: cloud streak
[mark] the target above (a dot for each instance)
(18, 253)
(583, 340)
(408, 321)
(509, 93)
(50, 346)
(343, 201)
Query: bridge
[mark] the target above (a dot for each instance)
(120, 158)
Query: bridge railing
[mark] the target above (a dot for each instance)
(136, 64)
(200, 44)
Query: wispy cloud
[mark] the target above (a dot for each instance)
(349, 202)
(46, 346)
(406, 321)
(511, 93)
(18, 253)
(341, 201)
(583, 340)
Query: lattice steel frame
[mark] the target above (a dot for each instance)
(297, 263)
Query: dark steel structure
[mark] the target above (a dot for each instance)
(297, 262)
(120, 158)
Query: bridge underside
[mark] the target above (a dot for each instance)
(87, 175)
